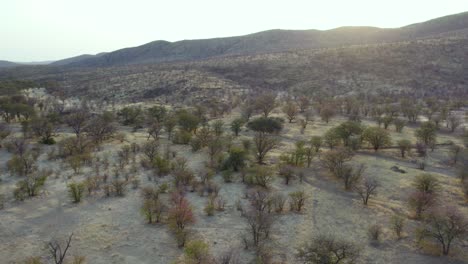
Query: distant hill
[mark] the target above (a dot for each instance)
(75, 59)
(270, 41)
(7, 64)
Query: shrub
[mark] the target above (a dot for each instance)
(236, 159)
(262, 176)
(326, 249)
(33, 260)
(152, 210)
(397, 223)
(119, 186)
(278, 200)
(420, 202)
(182, 137)
(30, 186)
(227, 176)
(426, 183)
(210, 207)
(197, 251)
(75, 191)
(297, 200)
(375, 233)
(287, 173)
(196, 144)
(2, 201)
(162, 166)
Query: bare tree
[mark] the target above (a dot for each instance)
(78, 121)
(445, 225)
(259, 223)
(367, 188)
(264, 143)
(290, 110)
(266, 103)
(58, 251)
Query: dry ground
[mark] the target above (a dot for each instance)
(111, 230)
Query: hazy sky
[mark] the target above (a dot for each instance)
(35, 30)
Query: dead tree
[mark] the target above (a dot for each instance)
(57, 251)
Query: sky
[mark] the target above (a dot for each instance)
(45, 30)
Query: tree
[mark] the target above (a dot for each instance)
(180, 215)
(377, 137)
(150, 149)
(101, 127)
(154, 129)
(348, 129)
(236, 159)
(335, 161)
(215, 147)
(326, 249)
(131, 116)
(169, 123)
(399, 124)
(304, 103)
(78, 120)
(266, 125)
(421, 202)
(59, 252)
(326, 113)
(4, 132)
(387, 120)
(405, 146)
(157, 113)
(426, 133)
(290, 110)
(187, 121)
(263, 143)
(367, 188)
(218, 128)
(444, 225)
(286, 172)
(262, 176)
(316, 142)
(426, 183)
(266, 103)
(44, 128)
(236, 126)
(259, 223)
(331, 138)
(453, 121)
(153, 209)
(455, 151)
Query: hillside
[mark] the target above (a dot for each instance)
(7, 64)
(269, 41)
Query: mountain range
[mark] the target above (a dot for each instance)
(266, 42)
(429, 56)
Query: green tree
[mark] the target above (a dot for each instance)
(405, 146)
(426, 133)
(236, 126)
(377, 137)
